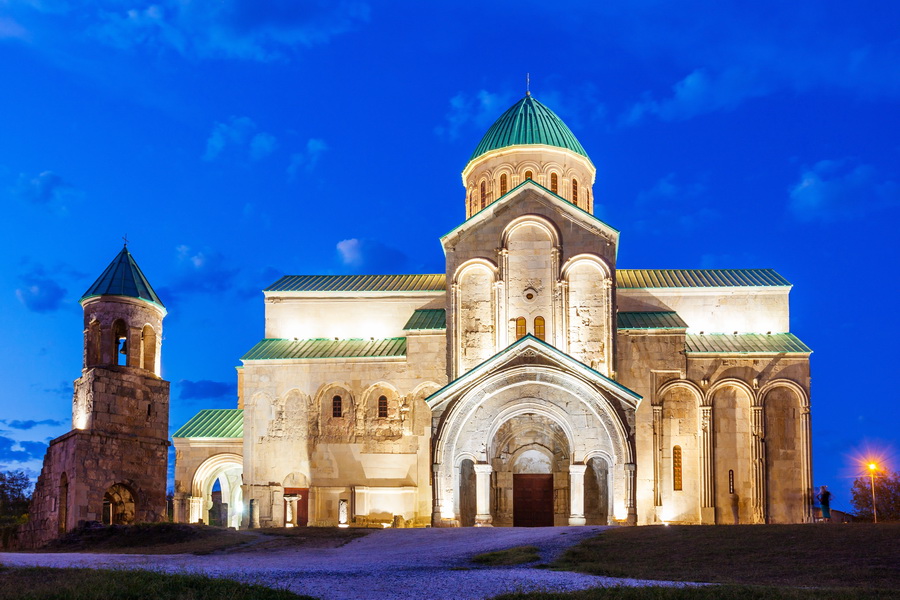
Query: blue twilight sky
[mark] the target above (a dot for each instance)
(237, 140)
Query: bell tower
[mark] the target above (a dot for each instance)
(112, 466)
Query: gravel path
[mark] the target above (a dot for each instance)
(392, 563)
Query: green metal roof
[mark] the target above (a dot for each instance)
(214, 423)
(359, 283)
(649, 320)
(274, 349)
(123, 277)
(745, 343)
(528, 122)
(690, 278)
(427, 318)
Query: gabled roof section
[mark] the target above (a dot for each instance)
(649, 320)
(576, 213)
(359, 283)
(225, 423)
(427, 319)
(123, 277)
(544, 348)
(745, 343)
(528, 122)
(281, 349)
(698, 278)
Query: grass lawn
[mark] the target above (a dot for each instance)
(863, 556)
(511, 556)
(177, 538)
(99, 584)
(727, 592)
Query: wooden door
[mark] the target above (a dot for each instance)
(533, 500)
(302, 505)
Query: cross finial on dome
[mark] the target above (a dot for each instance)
(527, 84)
(125, 239)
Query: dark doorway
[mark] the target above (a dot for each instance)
(302, 497)
(533, 500)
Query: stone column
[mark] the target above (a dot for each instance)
(758, 457)
(196, 509)
(455, 350)
(707, 472)
(806, 450)
(254, 513)
(657, 454)
(630, 477)
(576, 494)
(483, 495)
(292, 504)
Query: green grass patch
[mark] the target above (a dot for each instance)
(859, 555)
(727, 592)
(511, 556)
(100, 584)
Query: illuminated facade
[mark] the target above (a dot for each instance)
(532, 383)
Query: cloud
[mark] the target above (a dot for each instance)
(370, 256)
(698, 93)
(670, 204)
(30, 424)
(199, 272)
(15, 451)
(307, 159)
(11, 29)
(205, 389)
(477, 111)
(44, 188)
(64, 389)
(833, 190)
(241, 135)
(40, 291)
(261, 30)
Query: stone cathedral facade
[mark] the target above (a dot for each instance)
(533, 382)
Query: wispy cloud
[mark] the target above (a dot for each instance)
(242, 29)
(476, 111)
(12, 451)
(833, 190)
(671, 204)
(40, 290)
(44, 188)
(698, 93)
(241, 135)
(307, 159)
(9, 28)
(199, 272)
(30, 424)
(370, 256)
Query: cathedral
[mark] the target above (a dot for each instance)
(532, 383)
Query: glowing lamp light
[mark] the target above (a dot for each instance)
(872, 466)
(240, 507)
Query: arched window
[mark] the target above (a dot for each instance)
(575, 192)
(148, 348)
(337, 407)
(119, 343)
(529, 175)
(483, 195)
(520, 328)
(504, 185)
(554, 183)
(539, 328)
(382, 407)
(676, 469)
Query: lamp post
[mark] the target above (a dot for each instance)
(872, 467)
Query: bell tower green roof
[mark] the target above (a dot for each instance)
(528, 122)
(123, 277)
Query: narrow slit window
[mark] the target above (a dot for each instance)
(676, 469)
(503, 185)
(483, 194)
(575, 192)
(554, 183)
(529, 175)
(520, 328)
(382, 407)
(337, 407)
(539, 328)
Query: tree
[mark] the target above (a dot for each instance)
(14, 496)
(887, 496)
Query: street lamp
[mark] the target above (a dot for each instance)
(872, 467)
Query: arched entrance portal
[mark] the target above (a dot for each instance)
(118, 505)
(222, 473)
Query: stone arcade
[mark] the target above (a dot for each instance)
(532, 383)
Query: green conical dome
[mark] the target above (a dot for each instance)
(123, 277)
(528, 122)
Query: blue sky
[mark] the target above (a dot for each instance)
(239, 140)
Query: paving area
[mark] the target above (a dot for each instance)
(393, 563)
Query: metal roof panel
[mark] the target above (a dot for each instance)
(281, 349)
(649, 320)
(214, 423)
(745, 343)
(427, 318)
(360, 283)
(698, 278)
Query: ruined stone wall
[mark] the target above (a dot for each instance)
(122, 400)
